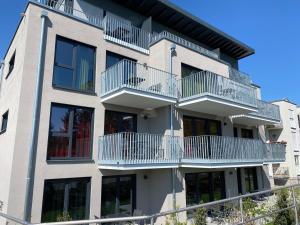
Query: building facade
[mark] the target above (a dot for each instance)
(119, 108)
(287, 131)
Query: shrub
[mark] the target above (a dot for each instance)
(200, 216)
(285, 217)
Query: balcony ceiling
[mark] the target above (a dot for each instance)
(168, 14)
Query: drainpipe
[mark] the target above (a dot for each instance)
(35, 122)
(173, 170)
(1, 73)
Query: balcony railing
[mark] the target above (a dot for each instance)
(135, 148)
(132, 75)
(129, 149)
(125, 33)
(222, 150)
(72, 11)
(207, 83)
(239, 76)
(181, 41)
(267, 110)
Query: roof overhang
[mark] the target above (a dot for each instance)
(170, 15)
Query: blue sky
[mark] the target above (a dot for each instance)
(271, 27)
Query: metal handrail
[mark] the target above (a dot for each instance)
(267, 110)
(239, 76)
(205, 82)
(132, 75)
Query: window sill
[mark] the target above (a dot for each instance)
(2, 131)
(69, 161)
(74, 90)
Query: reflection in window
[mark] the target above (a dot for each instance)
(66, 198)
(118, 196)
(74, 65)
(69, 132)
(117, 122)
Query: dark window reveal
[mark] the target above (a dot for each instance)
(187, 70)
(11, 64)
(4, 122)
(251, 179)
(74, 65)
(247, 133)
(70, 132)
(66, 199)
(113, 58)
(193, 126)
(118, 196)
(117, 122)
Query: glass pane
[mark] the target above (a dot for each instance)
(58, 147)
(126, 196)
(85, 68)
(218, 185)
(187, 70)
(247, 133)
(53, 201)
(81, 144)
(78, 199)
(204, 187)
(116, 122)
(200, 127)
(187, 127)
(128, 123)
(109, 197)
(192, 194)
(59, 121)
(64, 53)
(214, 128)
(63, 77)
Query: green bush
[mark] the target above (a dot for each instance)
(285, 217)
(200, 216)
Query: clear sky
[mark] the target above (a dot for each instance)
(271, 27)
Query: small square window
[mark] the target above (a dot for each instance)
(4, 122)
(11, 64)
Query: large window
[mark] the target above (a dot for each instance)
(66, 199)
(118, 196)
(4, 122)
(204, 187)
(114, 58)
(187, 70)
(74, 65)
(196, 127)
(70, 132)
(250, 179)
(117, 122)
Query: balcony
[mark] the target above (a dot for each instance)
(145, 151)
(267, 114)
(138, 151)
(211, 93)
(124, 33)
(135, 85)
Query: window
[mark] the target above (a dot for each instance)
(4, 122)
(247, 133)
(296, 160)
(298, 120)
(70, 132)
(118, 196)
(292, 118)
(116, 122)
(187, 70)
(114, 58)
(66, 197)
(235, 132)
(11, 64)
(204, 187)
(250, 179)
(197, 127)
(74, 65)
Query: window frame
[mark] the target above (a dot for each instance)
(67, 182)
(10, 66)
(69, 157)
(4, 115)
(74, 65)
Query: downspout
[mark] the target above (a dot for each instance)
(1, 74)
(35, 122)
(173, 170)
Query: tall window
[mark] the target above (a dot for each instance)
(118, 196)
(116, 122)
(66, 199)
(74, 65)
(250, 179)
(11, 64)
(204, 187)
(70, 132)
(4, 122)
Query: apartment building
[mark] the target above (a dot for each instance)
(287, 131)
(116, 108)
